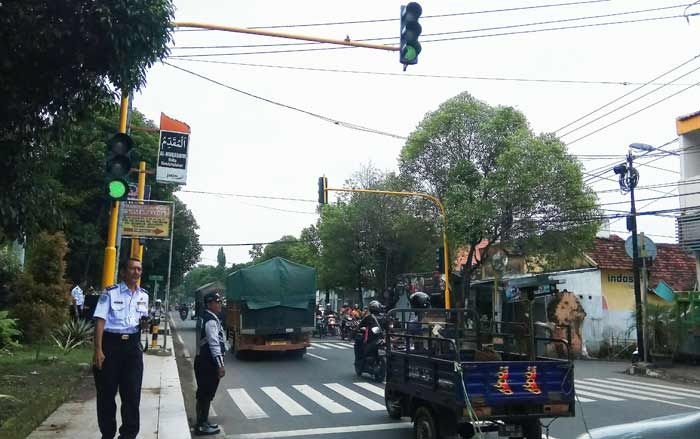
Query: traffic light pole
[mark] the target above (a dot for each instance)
(136, 247)
(635, 263)
(435, 201)
(110, 255)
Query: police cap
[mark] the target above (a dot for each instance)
(212, 297)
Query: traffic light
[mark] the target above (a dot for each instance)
(322, 190)
(440, 259)
(410, 31)
(118, 166)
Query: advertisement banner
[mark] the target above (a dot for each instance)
(146, 220)
(172, 151)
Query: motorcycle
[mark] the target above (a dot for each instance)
(321, 328)
(370, 355)
(331, 325)
(183, 314)
(348, 327)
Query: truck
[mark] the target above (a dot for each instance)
(270, 307)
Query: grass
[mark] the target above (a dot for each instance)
(30, 390)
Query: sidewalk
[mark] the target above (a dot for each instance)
(678, 372)
(162, 408)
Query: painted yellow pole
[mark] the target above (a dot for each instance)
(435, 201)
(136, 247)
(243, 30)
(110, 255)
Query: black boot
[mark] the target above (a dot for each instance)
(203, 428)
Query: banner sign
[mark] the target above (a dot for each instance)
(134, 192)
(146, 220)
(172, 151)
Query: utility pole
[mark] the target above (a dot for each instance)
(629, 177)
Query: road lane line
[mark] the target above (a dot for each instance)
(629, 391)
(658, 386)
(356, 397)
(283, 400)
(211, 411)
(317, 356)
(337, 346)
(597, 395)
(322, 431)
(372, 388)
(316, 345)
(582, 399)
(659, 392)
(643, 398)
(348, 345)
(245, 403)
(321, 399)
(310, 347)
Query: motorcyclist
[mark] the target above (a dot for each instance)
(419, 301)
(367, 339)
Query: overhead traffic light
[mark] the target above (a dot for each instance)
(118, 166)
(322, 190)
(410, 31)
(440, 260)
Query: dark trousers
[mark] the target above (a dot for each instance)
(207, 374)
(122, 370)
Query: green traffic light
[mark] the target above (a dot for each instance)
(410, 53)
(116, 189)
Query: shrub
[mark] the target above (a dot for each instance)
(72, 334)
(9, 269)
(8, 331)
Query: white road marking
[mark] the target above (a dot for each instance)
(356, 397)
(211, 411)
(311, 347)
(283, 400)
(348, 345)
(372, 388)
(628, 391)
(246, 404)
(337, 345)
(658, 392)
(316, 345)
(323, 431)
(597, 395)
(582, 399)
(317, 356)
(657, 386)
(321, 399)
(632, 396)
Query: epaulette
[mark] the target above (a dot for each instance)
(143, 290)
(111, 287)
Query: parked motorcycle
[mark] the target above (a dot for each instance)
(370, 353)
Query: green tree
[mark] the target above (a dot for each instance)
(221, 258)
(500, 183)
(80, 51)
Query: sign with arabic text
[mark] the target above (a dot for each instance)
(172, 151)
(147, 220)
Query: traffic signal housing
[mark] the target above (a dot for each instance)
(322, 190)
(440, 260)
(118, 165)
(409, 47)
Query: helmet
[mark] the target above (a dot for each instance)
(211, 297)
(158, 301)
(375, 307)
(419, 300)
(356, 306)
(345, 305)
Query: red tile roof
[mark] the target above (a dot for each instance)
(673, 265)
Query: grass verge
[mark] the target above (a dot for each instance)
(30, 390)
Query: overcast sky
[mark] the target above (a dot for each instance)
(243, 145)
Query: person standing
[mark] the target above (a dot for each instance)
(78, 299)
(120, 314)
(209, 362)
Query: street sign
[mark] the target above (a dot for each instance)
(647, 248)
(147, 220)
(134, 192)
(172, 151)
(155, 277)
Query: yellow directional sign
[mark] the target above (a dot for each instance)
(146, 220)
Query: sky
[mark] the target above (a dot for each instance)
(247, 146)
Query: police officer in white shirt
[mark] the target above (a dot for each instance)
(121, 312)
(78, 300)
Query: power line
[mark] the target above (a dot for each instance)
(289, 107)
(241, 244)
(261, 197)
(423, 75)
(634, 113)
(633, 100)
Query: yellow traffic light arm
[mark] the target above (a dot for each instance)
(435, 201)
(243, 30)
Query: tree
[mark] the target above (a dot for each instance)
(221, 258)
(255, 252)
(80, 51)
(500, 183)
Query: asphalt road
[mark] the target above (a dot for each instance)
(274, 396)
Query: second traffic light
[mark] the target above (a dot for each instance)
(409, 47)
(118, 166)
(322, 190)
(440, 260)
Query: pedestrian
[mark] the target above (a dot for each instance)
(209, 362)
(121, 313)
(77, 300)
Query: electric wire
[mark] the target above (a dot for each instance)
(289, 107)
(424, 75)
(260, 197)
(242, 244)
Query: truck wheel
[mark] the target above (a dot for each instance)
(424, 426)
(532, 430)
(393, 405)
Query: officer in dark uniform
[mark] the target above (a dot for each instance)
(119, 315)
(209, 362)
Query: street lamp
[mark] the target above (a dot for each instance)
(629, 177)
(649, 148)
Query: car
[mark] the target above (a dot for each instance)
(681, 426)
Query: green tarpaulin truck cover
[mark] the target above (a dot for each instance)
(276, 282)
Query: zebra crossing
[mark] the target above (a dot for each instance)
(335, 398)
(324, 346)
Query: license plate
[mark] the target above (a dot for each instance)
(278, 342)
(509, 430)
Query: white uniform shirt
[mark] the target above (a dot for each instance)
(121, 309)
(77, 294)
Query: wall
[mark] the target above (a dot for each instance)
(586, 285)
